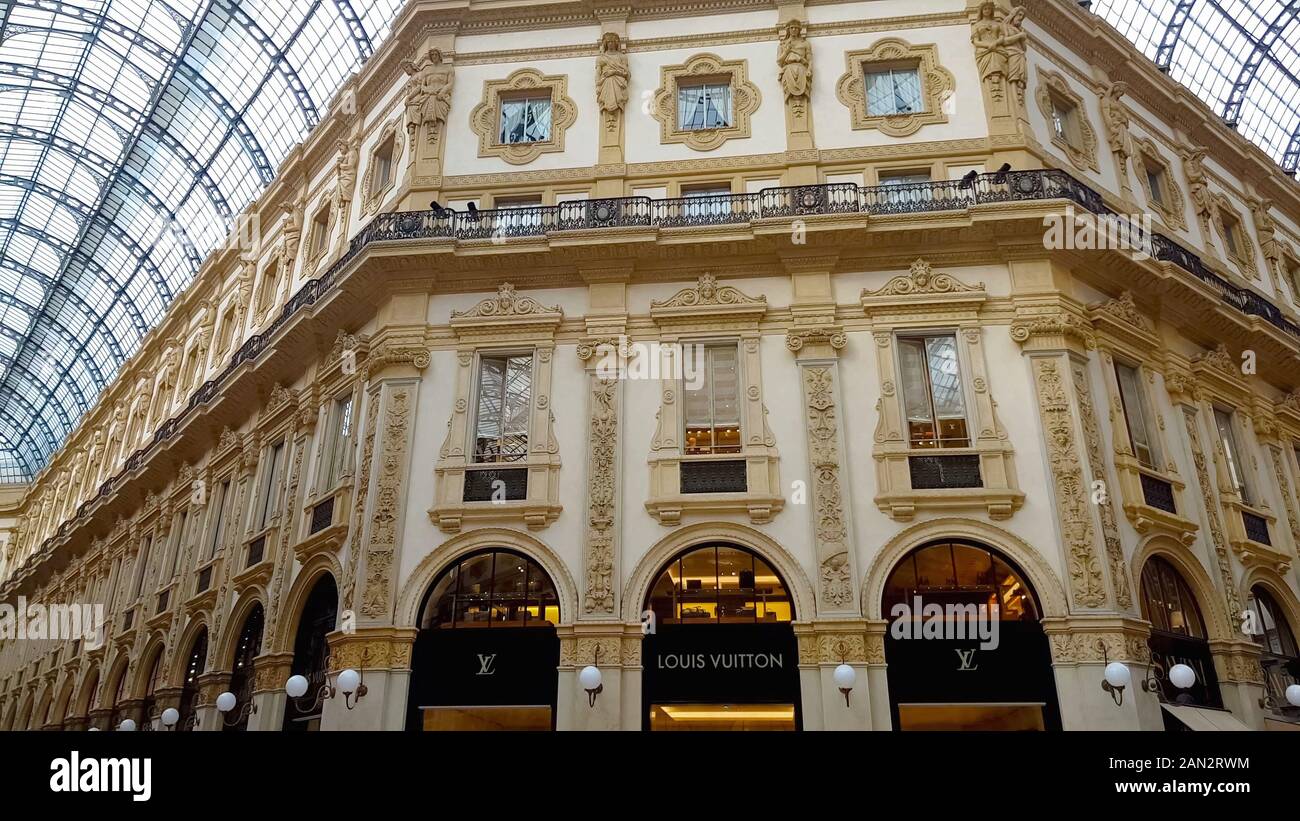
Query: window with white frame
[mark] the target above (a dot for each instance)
(703, 105)
(1065, 121)
(320, 228)
(269, 494)
(220, 511)
(270, 284)
(706, 200)
(339, 444)
(932, 391)
(711, 398)
(892, 91)
(501, 408)
(518, 211)
(383, 165)
(140, 564)
(905, 186)
(1225, 421)
(1155, 172)
(525, 119)
(1137, 416)
(179, 524)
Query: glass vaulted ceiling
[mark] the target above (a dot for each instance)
(131, 132)
(1242, 57)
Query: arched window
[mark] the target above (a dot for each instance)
(1178, 636)
(719, 584)
(89, 694)
(151, 687)
(495, 588)
(965, 648)
(115, 716)
(190, 686)
(1281, 657)
(960, 573)
(1167, 601)
(241, 671)
(311, 653)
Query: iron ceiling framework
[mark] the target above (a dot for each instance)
(131, 133)
(132, 130)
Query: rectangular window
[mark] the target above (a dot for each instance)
(1138, 416)
(518, 212)
(269, 502)
(383, 173)
(178, 540)
(220, 510)
(1063, 121)
(932, 391)
(1155, 181)
(911, 186)
(227, 331)
(894, 91)
(703, 105)
(336, 456)
(1230, 229)
(505, 386)
(1224, 420)
(270, 284)
(712, 399)
(141, 562)
(320, 227)
(525, 120)
(706, 200)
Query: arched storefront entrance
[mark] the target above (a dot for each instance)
(311, 653)
(241, 670)
(722, 655)
(1178, 636)
(965, 648)
(195, 663)
(487, 651)
(1280, 655)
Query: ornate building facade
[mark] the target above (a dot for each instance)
(730, 331)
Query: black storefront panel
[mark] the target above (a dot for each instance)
(484, 667)
(722, 664)
(957, 671)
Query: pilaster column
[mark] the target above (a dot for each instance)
(382, 657)
(794, 71)
(615, 649)
(210, 685)
(270, 672)
(1054, 340)
(613, 77)
(1081, 648)
(824, 646)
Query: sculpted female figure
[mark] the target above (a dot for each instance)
(612, 74)
(794, 59)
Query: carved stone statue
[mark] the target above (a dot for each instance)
(428, 93)
(794, 59)
(346, 173)
(290, 231)
(1116, 119)
(1000, 51)
(1198, 187)
(612, 74)
(244, 296)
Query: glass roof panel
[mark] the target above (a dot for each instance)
(130, 132)
(1242, 57)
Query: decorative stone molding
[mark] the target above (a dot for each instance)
(1213, 519)
(937, 86)
(1086, 584)
(913, 302)
(1120, 583)
(745, 99)
(1053, 87)
(507, 322)
(372, 197)
(372, 648)
(708, 310)
(601, 538)
(1172, 205)
(1076, 641)
(485, 119)
(1237, 245)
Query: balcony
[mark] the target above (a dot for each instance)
(641, 212)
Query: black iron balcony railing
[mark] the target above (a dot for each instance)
(733, 209)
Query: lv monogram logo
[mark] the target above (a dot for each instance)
(487, 664)
(964, 659)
